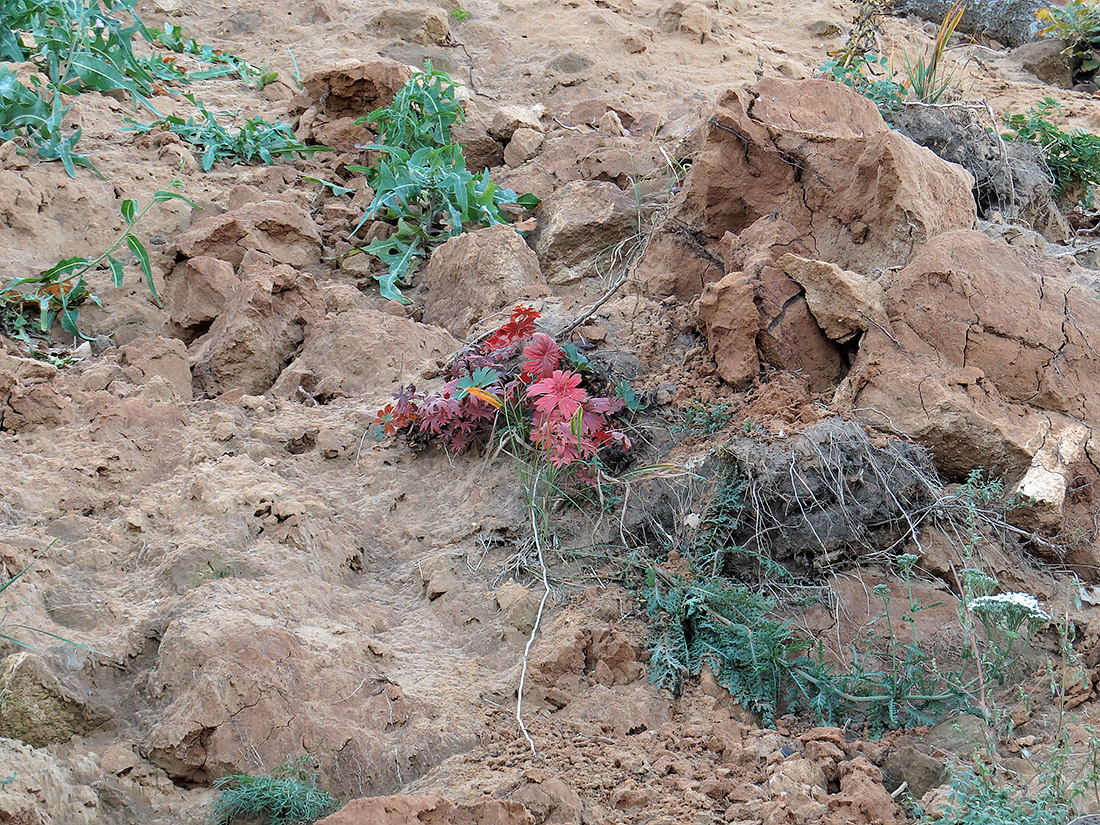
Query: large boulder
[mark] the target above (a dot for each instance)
(577, 224)
(1011, 22)
(809, 168)
(259, 332)
(478, 273)
(862, 195)
(985, 356)
(197, 292)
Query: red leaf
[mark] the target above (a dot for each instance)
(541, 356)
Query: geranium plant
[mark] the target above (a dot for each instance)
(524, 387)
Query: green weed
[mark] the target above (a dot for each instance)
(287, 796)
(256, 140)
(1072, 157)
(871, 76)
(421, 183)
(983, 794)
(31, 305)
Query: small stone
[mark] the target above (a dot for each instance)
(510, 118)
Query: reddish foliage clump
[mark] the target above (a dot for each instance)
(492, 389)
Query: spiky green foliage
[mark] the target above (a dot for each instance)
(421, 183)
(287, 796)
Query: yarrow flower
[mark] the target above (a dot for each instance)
(1017, 605)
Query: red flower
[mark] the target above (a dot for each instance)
(541, 356)
(561, 395)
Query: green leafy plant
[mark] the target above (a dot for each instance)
(1078, 22)
(421, 184)
(287, 796)
(79, 44)
(460, 15)
(925, 79)
(32, 304)
(256, 140)
(984, 794)
(871, 76)
(1072, 157)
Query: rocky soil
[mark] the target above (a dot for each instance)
(254, 576)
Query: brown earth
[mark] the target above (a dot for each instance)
(259, 578)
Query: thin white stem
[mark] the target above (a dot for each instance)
(538, 619)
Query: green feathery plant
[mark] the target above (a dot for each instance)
(421, 184)
(287, 796)
(706, 619)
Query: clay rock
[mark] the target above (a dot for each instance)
(688, 16)
(151, 356)
(508, 119)
(434, 808)
(577, 223)
(918, 771)
(523, 146)
(427, 27)
(475, 274)
(354, 88)
(1047, 60)
(861, 798)
(283, 230)
(1046, 482)
(28, 398)
(862, 195)
(842, 302)
(36, 707)
(233, 675)
(41, 790)
(258, 333)
(479, 147)
(728, 318)
(361, 351)
(1011, 22)
(674, 264)
(986, 353)
(196, 293)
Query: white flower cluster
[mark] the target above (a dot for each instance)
(1010, 602)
